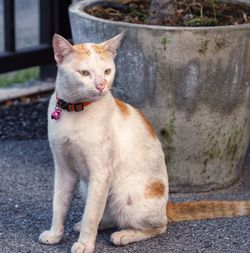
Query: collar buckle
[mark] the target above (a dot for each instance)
(71, 107)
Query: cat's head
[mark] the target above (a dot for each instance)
(85, 71)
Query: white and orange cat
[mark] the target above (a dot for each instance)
(114, 151)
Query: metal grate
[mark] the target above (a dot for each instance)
(53, 19)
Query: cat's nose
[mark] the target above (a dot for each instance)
(100, 87)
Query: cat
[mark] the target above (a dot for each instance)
(114, 151)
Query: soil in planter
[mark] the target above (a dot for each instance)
(189, 12)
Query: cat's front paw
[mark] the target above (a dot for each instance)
(82, 248)
(50, 237)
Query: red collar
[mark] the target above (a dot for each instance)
(71, 107)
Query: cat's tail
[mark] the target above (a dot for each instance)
(206, 209)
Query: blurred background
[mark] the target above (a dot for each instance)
(26, 29)
(26, 23)
(27, 68)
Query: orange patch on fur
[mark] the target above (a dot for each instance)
(100, 50)
(81, 50)
(122, 106)
(155, 189)
(147, 124)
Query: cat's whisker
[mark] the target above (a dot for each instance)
(115, 88)
(117, 91)
(70, 90)
(74, 95)
(114, 93)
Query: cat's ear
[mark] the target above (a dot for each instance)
(113, 44)
(62, 48)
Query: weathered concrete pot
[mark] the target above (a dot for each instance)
(193, 84)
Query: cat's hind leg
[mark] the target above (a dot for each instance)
(102, 226)
(127, 236)
(141, 212)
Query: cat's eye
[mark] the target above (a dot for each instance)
(84, 72)
(107, 71)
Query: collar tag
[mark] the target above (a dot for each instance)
(56, 114)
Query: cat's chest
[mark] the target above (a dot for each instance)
(75, 133)
(78, 135)
(72, 141)
(79, 143)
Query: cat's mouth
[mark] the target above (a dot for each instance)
(99, 95)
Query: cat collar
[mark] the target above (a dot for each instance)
(62, 105)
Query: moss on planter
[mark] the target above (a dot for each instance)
(165, 41)
(213, 151)
(203, 47)
(167, 133)
(220, 43)
(233, 143)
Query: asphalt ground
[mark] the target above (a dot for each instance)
(26, 189)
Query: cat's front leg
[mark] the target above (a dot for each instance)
(65, 181)
(98, 187)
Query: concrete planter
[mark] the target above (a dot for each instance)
(193, 84)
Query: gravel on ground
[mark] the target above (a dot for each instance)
(24, 121)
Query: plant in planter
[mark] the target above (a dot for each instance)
(190, 74)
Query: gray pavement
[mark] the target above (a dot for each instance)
(26, 185)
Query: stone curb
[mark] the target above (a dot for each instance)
(13, 93)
